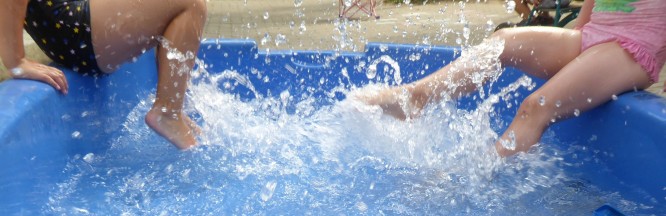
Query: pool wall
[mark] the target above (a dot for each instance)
(41, 128)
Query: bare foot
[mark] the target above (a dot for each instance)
(193, 125)
(399, 102)
(521, 135)
(179, 130)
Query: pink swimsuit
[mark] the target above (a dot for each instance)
(639, 26)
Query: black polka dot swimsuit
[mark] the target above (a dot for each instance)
(61, 28)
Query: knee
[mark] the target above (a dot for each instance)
(535, 108)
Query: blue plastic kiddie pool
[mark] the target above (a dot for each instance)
(90, 153)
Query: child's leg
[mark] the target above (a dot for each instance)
(121, 30)
(587, 82)
(539, 51)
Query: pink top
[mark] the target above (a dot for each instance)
(639, 26)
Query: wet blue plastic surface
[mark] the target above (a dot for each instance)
(36, 122)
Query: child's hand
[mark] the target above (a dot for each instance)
(40, 72)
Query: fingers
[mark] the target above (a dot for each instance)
(49, 80)
(55, 78)
(59, 77)
(37, 71)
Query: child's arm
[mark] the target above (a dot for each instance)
(12, 13)
(12, 53)
(584, 15)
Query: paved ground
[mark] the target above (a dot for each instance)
(314, 24)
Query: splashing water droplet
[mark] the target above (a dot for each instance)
(164, 109)
(89, 158)
(81, 211)
(542, 100)
(284, 96)
(76, 135)
(589, 100)
(466, 32)
(372, 68)
(302, 28)
(407, 1)
(280, 39)
(371, 73)
(266, 15)
(558, 104)
(171, 55)
(265, 39)
(511, 143)
(510, 6)
(426, 40)
(614, 97)
(576, 112)
(461, 15)
(383, 47)
(361, 206)
(345, 73)
(415, 57)
(490, 26)
(298, 3)
(268, 190)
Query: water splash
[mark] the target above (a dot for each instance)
(298, 3)
(479, 63)
(371, 73)
(510, 6)
(256, 157)
(280, 39)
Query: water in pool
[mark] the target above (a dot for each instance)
(296, 154)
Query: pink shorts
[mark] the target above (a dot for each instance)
(639, 27)
(641, 55)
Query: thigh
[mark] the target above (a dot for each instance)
(539, 51)
(593, 78)
(122, 29)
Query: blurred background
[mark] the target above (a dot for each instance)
(320, 25)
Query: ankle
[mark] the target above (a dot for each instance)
(164, 114)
